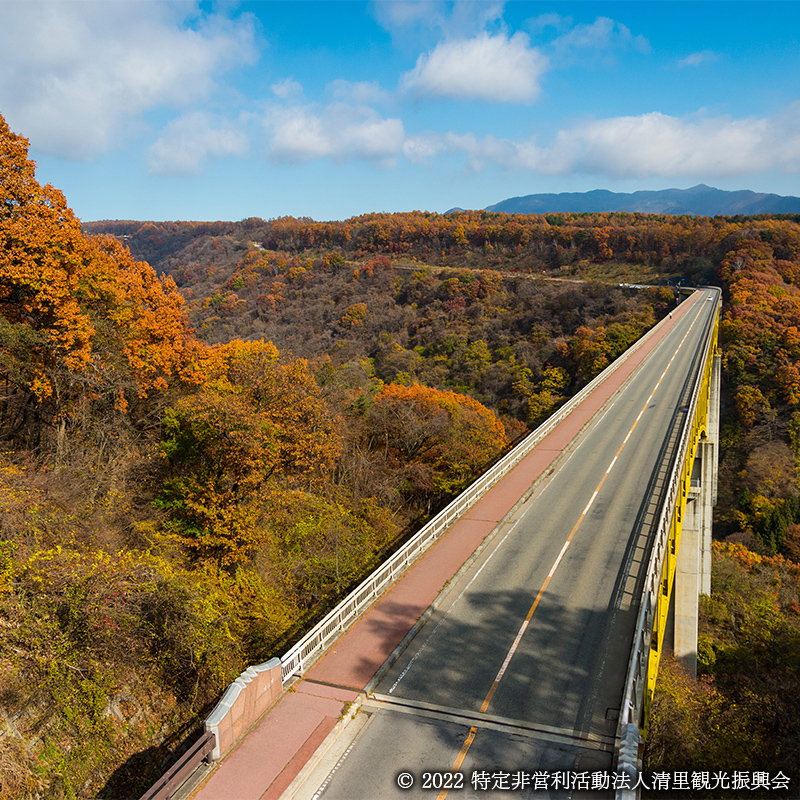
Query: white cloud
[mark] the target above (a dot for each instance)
(424, 147)
(298, 135)
(469, 17)
(287, 89)
(358, 92)
(479, 153)
(192, 140)
(492, 68)
(458, 19)
(649, 145)
(659, 145)
(602, 38)
(339, 131)
(603, 33)
(404, 14)
(695, 59)
(504, 153)
(77, 76)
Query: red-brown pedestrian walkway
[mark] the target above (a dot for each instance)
(264, 764)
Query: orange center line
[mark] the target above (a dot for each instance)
(460, 758)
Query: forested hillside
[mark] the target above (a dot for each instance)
(412, 279)
(174, 509)
(700, 199)
(202, 452)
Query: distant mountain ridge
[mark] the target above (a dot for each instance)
(699, 200)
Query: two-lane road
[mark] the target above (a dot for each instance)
(522, 666)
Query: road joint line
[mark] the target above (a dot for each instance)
(488, 721)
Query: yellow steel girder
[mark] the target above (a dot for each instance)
(699, 431)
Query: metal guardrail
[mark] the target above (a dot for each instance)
(165, 787)
(302, 655)
(636, 680)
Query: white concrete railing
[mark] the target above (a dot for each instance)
(300, 656)
(627, 760)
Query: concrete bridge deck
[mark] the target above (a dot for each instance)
(266, 764)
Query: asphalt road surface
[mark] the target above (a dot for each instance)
(521, 668)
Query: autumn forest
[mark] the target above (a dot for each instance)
(212, 430)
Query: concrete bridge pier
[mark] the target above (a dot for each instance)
(693, 565)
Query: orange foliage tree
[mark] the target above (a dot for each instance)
(253, 420)
(80, 320)
(441, 438)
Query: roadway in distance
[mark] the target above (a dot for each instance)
(522, 665)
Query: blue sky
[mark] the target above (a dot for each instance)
(140, 109)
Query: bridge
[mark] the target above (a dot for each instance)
(527, 637)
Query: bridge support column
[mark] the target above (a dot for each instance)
(693, 565)
(695, 541)
(713, 438)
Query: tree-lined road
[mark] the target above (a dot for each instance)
(522, 666)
